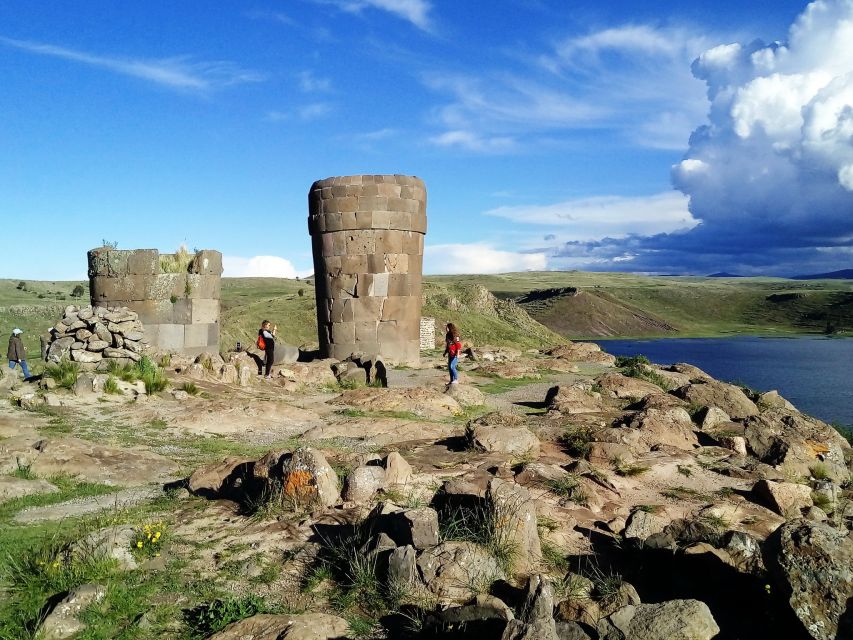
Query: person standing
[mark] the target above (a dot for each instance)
(266, 342)
(452, 348)
(17, 353)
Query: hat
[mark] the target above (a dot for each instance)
(16, 331)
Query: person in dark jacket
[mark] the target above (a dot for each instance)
(266, 334)
(17, 353)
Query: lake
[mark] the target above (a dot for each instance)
(812, 372)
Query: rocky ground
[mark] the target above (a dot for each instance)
(550, 495)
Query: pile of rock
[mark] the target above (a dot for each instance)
(95, 335)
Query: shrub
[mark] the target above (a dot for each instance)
(569, 487)
(207, 619)
(178, 262)
(65, 373)
(577, 440)
(78, 291)
(21, 285)
(631, 361)
(111, 385)
(300, 293)
(154, 381)
(819, 471)
(191, 388)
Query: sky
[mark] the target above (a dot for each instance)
(672, 136)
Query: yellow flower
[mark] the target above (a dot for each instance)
(139, 544)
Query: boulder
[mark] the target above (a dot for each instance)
(420, 401)
(12, 487)
(313, 374)
(536, 621)
(671, 620)
(484, 617)
(787, 499)
(514, 441)
(710, 417)
(110, 543)
(618, 386)
(582, 352)
(772, 400)
(414, 527)
(97, 345)
(363, 482)
(794, 443)
(573, 399)
(642, 525)
(306, 626)
(403, 567)
(214, 480)
(713, 393)
(306, 476)
(671, 427)
(63, 621)
(812, 564)
(228, 374)
(454, 571)
(466, 395)
(515, 511)
(397, 470)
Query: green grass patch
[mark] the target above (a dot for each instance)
(65, 373)
(503, 385)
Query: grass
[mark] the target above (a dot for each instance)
(822, 501)
(484, 525)
(178, 262)
(211, 617)
(111, 386)
(570, 488)
(628, 469)
(64, 372)
(503, 385)
(577, 440)
(682, 493)
(819, 471)
(191, 388)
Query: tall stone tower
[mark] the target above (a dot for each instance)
(367, 236)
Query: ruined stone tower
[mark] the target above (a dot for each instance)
(176, 296)
(367, 236)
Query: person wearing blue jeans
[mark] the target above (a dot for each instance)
(452, 347)
(17, 353)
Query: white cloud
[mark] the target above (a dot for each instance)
(472, 141)
(633, 80)
(305, 113)
(606, 216)
(260, 267)
(310, 83)
(414, 11)
(776, 152)
(479, 258)
(176, 73)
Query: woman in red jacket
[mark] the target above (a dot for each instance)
(452, 348)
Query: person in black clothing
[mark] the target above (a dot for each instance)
(267, 333)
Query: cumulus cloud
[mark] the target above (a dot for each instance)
(177, 73)
(479, 258)
(260, 267)
(773, 167)
(606, 216)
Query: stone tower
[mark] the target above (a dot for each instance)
(367, 236)
(178, 305)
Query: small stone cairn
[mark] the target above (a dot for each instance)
(92, 336)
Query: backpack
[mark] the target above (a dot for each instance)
(262, 344)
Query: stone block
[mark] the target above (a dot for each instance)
(204, 311)
(397, 308)
(170, 337)
(166, 285)
(333, 222)
(389, 190)
(213, 335)
(364, 220)
(400, 220)
(107, 290)
(340, 244)
(353, 264)
(378, 285)
(181, 311)
(203, 286)
(207, 262)
(381, 219)
(360, 242)
(197, 335)
(373, 203)
(365, 331)
(397, 263)
(398, 284)
(388, 242)
(343, 286)
(348, 204)
(143, 262)
(341, 310)
(367, 309)
(387, 331)
(376, 263)
(343, 333)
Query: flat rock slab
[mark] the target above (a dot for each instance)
(11, 487)
(86, 506)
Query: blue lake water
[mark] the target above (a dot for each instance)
(811, 372)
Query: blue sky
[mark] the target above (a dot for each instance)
(550, 134)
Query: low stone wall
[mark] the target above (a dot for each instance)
(427, 334)
(180, 311)
(95, 335)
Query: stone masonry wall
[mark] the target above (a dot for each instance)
(180, 311)
(427, 334)
(367, 235)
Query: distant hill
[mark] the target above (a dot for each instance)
(724, 274)
(842, 274)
